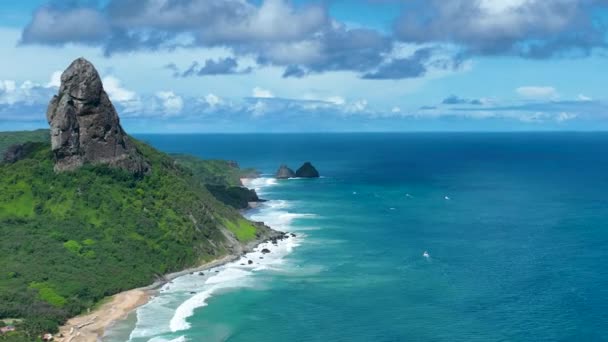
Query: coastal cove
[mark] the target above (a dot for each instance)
(516, 242)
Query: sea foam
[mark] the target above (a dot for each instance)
(168, 312)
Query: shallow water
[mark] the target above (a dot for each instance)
(515, 226)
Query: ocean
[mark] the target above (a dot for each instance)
(406, 237)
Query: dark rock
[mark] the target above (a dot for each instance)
(249, 262)
(201, 273)
(265, 251)
(234, 196)
(16, 152)
(307, 171)
(285, 172)
(293, 235)
(85, 127)
(192, 292)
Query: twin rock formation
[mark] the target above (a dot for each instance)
(85, 128)
(305, 171)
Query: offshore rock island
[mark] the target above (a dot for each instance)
(307, 170)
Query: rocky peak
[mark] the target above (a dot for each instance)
(285, 172)
(84, 124)
(307, 171)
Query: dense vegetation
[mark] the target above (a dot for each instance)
(214, 172)
(222, 178)
(8, 139)
(68, 240)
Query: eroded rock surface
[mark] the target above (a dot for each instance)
(85, 127)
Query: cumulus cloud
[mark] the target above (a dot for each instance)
(55, 79)
(213, 100)
(528, 28)
(172, 104)
(302, 38)
(537, 92)
(455, 100)
(222, 66)
(564, 116)
(25, 101)
(582, 97)
(399, 68)
(60, 24)
(128, 99)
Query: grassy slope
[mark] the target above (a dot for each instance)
(213, 172)
(10, 138)
(70, 239)
(221, 178)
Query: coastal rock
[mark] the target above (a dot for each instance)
(307, 171)
(85, 128)
(265, 251)
(249, 262)
(285, 172)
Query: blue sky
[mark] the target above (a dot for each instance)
(184, 66)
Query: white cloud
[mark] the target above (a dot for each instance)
(55, 81)
(584, 98)
(537, 92)
(564, 116)
(129, 100)
(213, 100)
(258, 92)
(357, 106)
(172, 103)
(28, 92)
(337, 100)
(113, 86)
(500, 6)
(258, 109)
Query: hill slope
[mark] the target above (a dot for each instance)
(70, 239)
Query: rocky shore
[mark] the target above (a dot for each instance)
(91, 326)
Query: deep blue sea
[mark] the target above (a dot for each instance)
(515, 226)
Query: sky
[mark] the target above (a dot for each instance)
(229, 66)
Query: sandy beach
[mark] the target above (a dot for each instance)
(90, 327)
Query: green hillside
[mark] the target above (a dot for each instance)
(10, 138)
(70, 239)
(222, 179)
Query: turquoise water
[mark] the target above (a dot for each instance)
(515, 226)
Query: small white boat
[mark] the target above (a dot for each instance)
(426, 254)
(447, 198)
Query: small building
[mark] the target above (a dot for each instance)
(7, 329)
(47, 337)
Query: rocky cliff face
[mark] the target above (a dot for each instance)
(307, 171)
(84, 124)
(285, 172)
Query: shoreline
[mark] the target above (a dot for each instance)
(91, 326)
